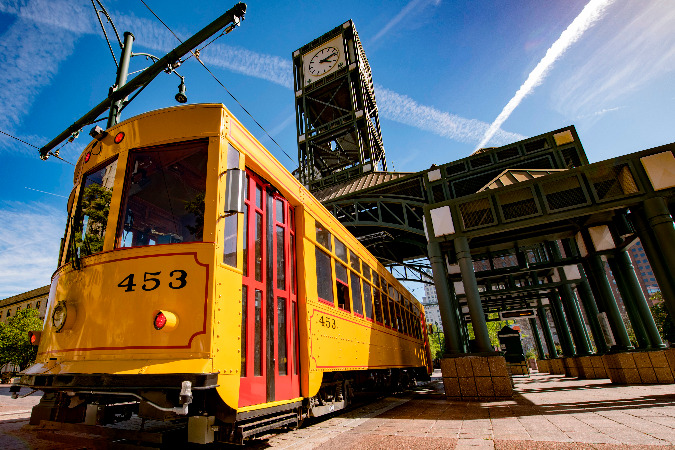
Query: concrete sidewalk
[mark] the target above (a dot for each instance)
(547, 412)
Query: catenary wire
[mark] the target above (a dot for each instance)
(35, 146)
(105, 34)
(219, 82)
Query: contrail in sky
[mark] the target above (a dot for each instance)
(591, 13)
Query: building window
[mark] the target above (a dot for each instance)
(37, 305)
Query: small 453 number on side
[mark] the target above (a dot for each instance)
(178, 280)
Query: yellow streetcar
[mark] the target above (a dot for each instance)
(198, 278)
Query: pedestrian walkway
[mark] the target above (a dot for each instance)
(547, 412)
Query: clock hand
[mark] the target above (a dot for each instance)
(327, 58)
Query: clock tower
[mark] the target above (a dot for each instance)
(338, 127)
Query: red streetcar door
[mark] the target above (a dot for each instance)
(270, 366)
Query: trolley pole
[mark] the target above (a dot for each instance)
(122, 72)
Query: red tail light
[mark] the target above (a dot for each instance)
(34, 337)
(165, 320)
(160, 320)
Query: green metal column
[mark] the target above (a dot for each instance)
(560, 323)
(661, 222)
(537, 339)
(546, 329)
(465, 261)
(629, 304)
(122, 73)
(586, 297)
(662, 273)
(597, 278)
(623, 269)
(569, 302)
(448, 316)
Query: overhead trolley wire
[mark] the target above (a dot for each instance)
(54, 154)
(217, 80)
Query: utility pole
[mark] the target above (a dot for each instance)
(115, 100)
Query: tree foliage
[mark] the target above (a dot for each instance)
(14, 345)
(664, 322)
(95, 209)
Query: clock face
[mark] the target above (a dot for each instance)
(323, 61)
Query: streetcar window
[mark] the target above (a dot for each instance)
(367, 300)
(245, 247)
(230, 240)
(324, 276)
(354, 261)
(377, 303)
(281, 259)
(356, 293)
(385, 308)
(366, 271)
(294, 336)
(164, 195)
(323, 236)
(340, 250)
(91, 218)
(292, 263)
(257, 338)
(342, 285)
(244, 323)
(258, 246)
(281, 336)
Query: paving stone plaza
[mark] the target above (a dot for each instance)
(546, 412)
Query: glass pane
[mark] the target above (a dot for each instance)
(341, 272)
(281, 259)
(92, 220)
(385, 309)
(293, 282)
(324, 276)
(376, 279)
(232, 157)
(245, 240)
(164, 196)
(257, 340)
(342, 295)
(367, 300)
(294, 337)
(323, 236)
(244, 316)
(230, 241)
(340, 250)
(280, 210)
(377, 304)
(258, 196)
(354, 262)
(258, 246)
(366, 271)
(281, 336)
(356, 293)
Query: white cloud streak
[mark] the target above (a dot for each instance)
(29, 245)
(592, 12)
(403, 109)
(407, 12)
(635, 47)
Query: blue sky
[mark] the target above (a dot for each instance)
(444, 71)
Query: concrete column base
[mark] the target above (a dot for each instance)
(476, 378)
(591, 367)
(556, 366)
(571, 366)
(518, 368)
(648, 367)
(544, 365)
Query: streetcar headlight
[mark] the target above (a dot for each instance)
(165, 320)
(62, 317)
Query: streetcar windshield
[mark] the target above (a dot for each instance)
(163, 201)
(91, 218)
